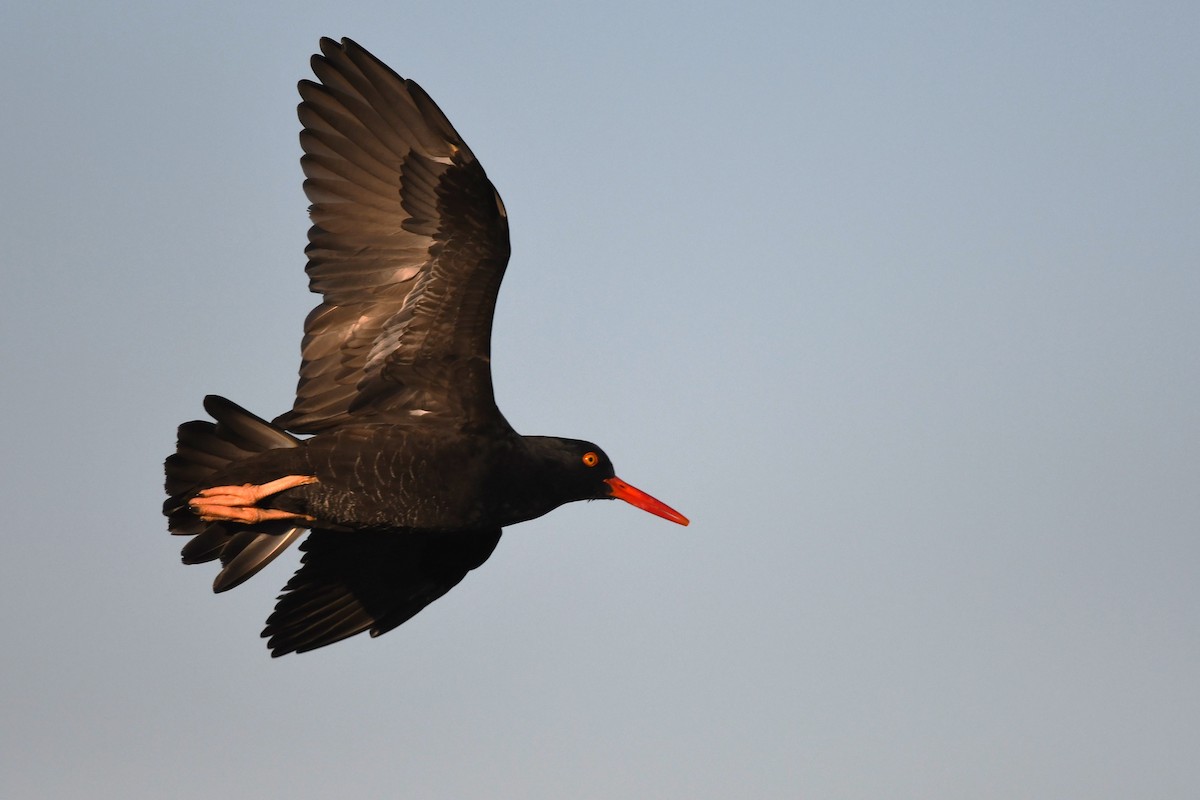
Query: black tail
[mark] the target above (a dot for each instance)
(205, 448)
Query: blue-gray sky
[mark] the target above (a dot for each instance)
(898, 302)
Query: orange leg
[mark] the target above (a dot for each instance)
(237, 503)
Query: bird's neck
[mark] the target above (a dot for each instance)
(530, 480)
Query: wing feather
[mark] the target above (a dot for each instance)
(354, 582)
(408, 246)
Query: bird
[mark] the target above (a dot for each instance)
(394, 458)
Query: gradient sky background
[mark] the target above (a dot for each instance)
(900, 303)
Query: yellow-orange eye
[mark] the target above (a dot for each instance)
(590, 459)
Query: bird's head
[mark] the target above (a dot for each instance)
(582, 471)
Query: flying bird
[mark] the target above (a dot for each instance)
(394, 456)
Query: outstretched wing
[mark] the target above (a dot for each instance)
(352, 582)
(408, 246)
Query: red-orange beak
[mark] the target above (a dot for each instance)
(623, 491)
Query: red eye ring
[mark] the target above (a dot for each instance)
(590, 459)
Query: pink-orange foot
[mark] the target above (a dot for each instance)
(238, 503)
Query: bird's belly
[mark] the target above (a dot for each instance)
(379, 481)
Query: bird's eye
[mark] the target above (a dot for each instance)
(590, 459)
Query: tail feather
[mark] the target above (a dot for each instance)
(204, 448)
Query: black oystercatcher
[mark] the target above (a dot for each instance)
(410, 471)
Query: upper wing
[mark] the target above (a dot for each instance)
(408, 246)
(357, 581)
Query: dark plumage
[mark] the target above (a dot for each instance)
(411, 471)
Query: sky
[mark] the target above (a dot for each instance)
(897, 302)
